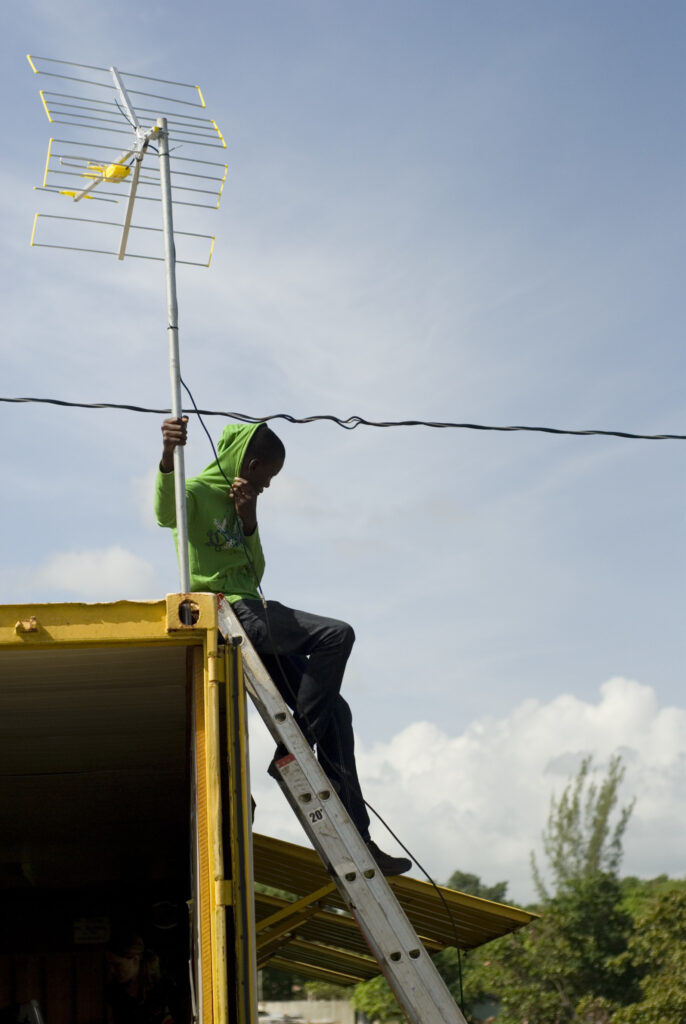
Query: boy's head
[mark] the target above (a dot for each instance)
(264, 458)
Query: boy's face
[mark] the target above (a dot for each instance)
(260, 473)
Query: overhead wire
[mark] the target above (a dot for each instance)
(350, 422)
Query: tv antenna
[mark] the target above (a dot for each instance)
(99, 105)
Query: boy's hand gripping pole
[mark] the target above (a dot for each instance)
(174, 365)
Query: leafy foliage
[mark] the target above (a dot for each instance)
(571, 966)
(657, 951)
(636, 892)
(326, 990)
(280, 985)
(578, 839)
(464, 881)
(567, 966)
(375, 999)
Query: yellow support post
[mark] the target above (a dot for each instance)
(215, 680)
(240, 840)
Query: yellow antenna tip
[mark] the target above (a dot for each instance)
(216, 128)
(45, 105)
(33, 66)
(33, 232)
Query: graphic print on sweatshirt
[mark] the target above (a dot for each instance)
(224, 536)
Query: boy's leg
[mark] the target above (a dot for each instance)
(320, 711)
(326, 642)
(336, 753)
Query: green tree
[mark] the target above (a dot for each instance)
(279, 985)
(327, 990)
(375, 999)
(569, 961)
(579, 838)
(570, 966)
(636, 892)
(657, 950)
(464, 881)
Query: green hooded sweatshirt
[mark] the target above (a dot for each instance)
(216, 547)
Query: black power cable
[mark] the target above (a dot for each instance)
(351, 422)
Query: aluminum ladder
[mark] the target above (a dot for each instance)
(402, 958)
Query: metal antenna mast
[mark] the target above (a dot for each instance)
(101, 105)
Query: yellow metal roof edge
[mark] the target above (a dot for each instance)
(406, 888)
(470, 934)
(418, 887)
(39, 624)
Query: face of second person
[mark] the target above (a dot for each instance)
(122, 968)
(260, 474)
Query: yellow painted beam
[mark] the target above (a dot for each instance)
(79, 623)
(301, 909)
(116, 622)
(240, 837)
(338, 920)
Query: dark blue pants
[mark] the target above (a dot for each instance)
(306, 656)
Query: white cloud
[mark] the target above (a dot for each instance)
(479, 801)
(99, 574)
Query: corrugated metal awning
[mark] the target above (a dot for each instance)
(313, 934)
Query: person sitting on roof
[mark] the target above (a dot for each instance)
(305, 654)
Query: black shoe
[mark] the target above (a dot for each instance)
(388, 865)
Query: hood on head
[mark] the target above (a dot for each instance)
(231, 448)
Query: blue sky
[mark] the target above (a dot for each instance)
(441, 210)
